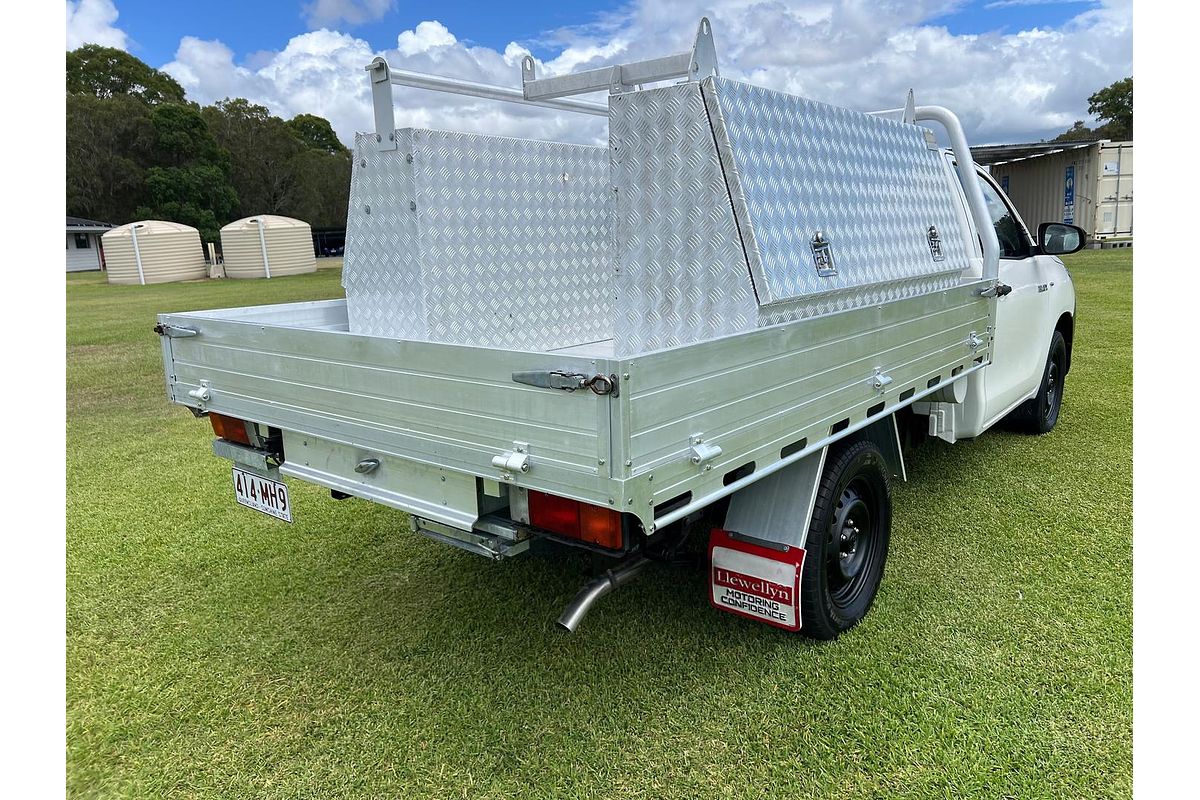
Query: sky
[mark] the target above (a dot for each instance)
(1013, 70)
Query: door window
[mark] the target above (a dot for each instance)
(1013, 241)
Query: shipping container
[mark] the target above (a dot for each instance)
(1089, 184)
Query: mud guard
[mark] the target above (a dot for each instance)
(778, 509)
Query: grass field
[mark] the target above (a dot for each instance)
(213, 652)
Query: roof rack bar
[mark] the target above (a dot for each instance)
(618, 76)
(438, 83)
(384, 76)
(695, 64)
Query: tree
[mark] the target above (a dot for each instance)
(106, 72)
(189, 181)
(1113, 105)
(136, 147)
(181, 136)
(297, 168)
(109, 147)
(261, 148)
(1077, 133)
(316, 133)
(322, 173)
(198, 195)
(322, 192)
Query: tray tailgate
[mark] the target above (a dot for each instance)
(439, 404)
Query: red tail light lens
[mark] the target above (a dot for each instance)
(556, 514)
(588, 523)
(230, 428)
(600, 526)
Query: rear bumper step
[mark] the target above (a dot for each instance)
(491, 539)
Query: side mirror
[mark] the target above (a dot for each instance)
(1060, 239)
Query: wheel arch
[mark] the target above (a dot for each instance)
(1066, 326)
(779, 508)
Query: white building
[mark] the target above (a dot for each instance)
(84, 250)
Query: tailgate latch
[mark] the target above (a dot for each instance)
(570, 381)
(174, 331)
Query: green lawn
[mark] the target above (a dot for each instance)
(213, 652)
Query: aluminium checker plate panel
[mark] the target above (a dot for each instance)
(720, 188)
(479, 240)
(872, 186)
(381, 270)
(679, 271)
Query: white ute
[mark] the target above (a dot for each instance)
(726, 321)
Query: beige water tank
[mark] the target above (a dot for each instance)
(267, 246)
(153, 251)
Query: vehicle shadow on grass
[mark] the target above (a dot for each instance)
(413, 597)
(349, 596)
(481, 640)
(505, 611)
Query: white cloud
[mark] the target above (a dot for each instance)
(425, 37)
(1011, 3)
(322, 72)
(324, 13)
(858, 53)
(91, 22)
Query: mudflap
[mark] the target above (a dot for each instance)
(755, 581)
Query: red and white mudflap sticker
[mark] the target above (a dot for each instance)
(755, 581)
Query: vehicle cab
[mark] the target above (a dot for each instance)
(1034, 310)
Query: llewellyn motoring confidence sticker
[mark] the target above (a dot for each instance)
(755, 581)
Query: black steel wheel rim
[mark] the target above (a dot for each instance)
(853, 543)
(1052, 387)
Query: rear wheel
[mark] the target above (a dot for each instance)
(847, 540)
(1040, 414)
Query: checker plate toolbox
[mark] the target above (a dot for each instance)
(741, 276)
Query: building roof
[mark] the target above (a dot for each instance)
(81, 225)
(1003, 153)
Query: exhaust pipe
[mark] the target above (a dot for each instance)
(593, 590)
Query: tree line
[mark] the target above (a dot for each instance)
(137, 148)
(1113, 106)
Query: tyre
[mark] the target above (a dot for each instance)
(1040, 414)
(847, 540)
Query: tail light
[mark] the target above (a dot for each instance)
(230, 428)
(595, 524)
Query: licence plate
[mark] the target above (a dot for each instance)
(262, 494)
